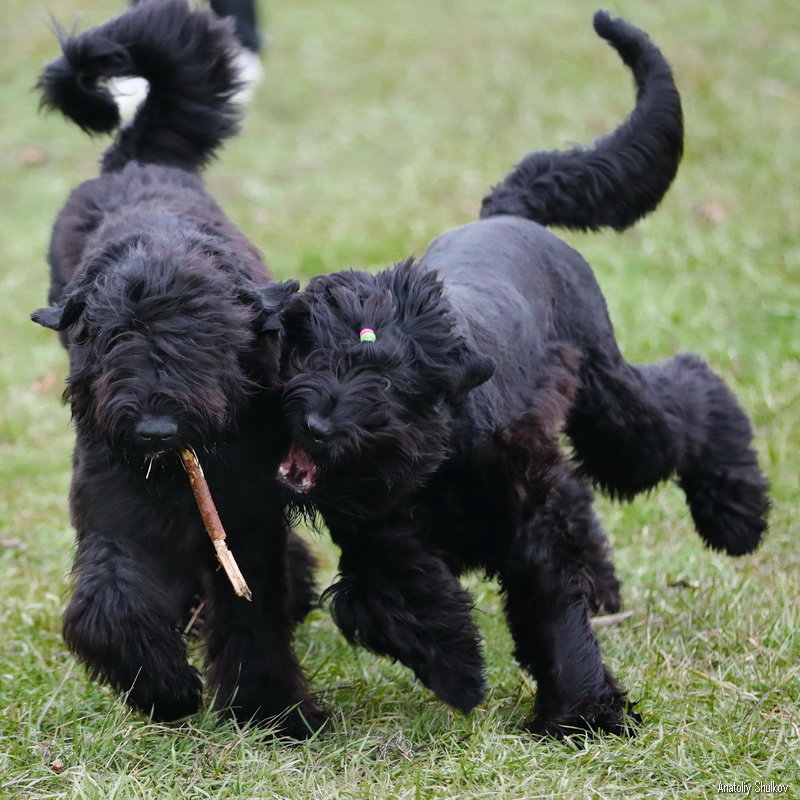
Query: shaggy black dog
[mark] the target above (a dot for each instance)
(173, 331)
(425, 403)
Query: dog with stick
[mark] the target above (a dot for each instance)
(172, 323)
(425, 404)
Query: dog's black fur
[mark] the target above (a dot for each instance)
(434, 449)
(172, 324)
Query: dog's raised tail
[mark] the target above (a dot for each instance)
(187, 57)
(625, 174)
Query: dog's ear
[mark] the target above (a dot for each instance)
(73, 299)
(472, 371)
(426, 316)
(48, 317)
(274, 297)
(296, 321)
(270, 299)
(60, 317)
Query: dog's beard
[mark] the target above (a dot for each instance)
(154, 467)
(157, 462)
(356, 483)
(364, 436)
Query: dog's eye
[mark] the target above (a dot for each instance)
(387, 384)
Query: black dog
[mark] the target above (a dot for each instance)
(173, 331)
(425, 403)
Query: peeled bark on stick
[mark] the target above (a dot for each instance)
(212, 522)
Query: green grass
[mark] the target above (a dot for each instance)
(378, 126)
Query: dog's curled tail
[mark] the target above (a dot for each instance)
(626, 174)
(187, 57)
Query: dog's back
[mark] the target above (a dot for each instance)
(516, 287)
(136, 202)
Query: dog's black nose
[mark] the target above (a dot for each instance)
(156, 430)
(319, 427)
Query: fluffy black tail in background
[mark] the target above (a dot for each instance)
(185, 54)
(626, 174)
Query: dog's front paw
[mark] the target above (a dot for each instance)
(303, 721)
(427, 627)
(168, 698)
(615, 716)
(458, 682)
(298, 721)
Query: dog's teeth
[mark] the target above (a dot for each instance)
(283, 471)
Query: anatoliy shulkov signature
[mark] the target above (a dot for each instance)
(752, 787)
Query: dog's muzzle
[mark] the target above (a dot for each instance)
(298, 470)
(156, 433)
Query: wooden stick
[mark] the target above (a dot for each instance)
(212, 522)
(604, 620)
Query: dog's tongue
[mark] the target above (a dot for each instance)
(298, 470)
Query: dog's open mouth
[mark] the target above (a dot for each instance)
(298, 470)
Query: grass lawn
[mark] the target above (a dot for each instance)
(380, 124)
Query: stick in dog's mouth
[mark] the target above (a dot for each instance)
(212, 522)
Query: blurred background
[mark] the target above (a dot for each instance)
(378, 125)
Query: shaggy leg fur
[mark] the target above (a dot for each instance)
(397, 599)
(123, 623)
(253, 673)
(575, 500)
(633, 427)
(548, 614)
(718, 470)
(552, 566)
(302, 586)
(530, 457)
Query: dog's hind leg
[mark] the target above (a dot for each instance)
(398, 599)
(253, 672)
(718, 470)
(123, 620)
(633, 427)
